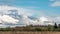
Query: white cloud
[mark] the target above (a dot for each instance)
(54, 0)
(24, 16)
(57, 19)
(45, 21)
(20, 10)
(56, 4)
(8, 19)
(6, 7)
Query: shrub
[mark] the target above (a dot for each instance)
(37, 29)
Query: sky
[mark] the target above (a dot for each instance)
(38, 7)
(43, 10)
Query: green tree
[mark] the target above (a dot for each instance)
(55, 26)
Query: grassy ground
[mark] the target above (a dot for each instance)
(28, 32)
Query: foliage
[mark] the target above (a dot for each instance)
(55, 26)
(37, 29)
(30, 28)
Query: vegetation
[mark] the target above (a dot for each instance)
(33, 28)
(55, 26)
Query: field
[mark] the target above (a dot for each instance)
(29, 32)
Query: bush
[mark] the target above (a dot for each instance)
(55, 26)
(37, 29)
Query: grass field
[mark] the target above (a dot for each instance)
(28, 32)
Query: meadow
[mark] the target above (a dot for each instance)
(31, 30)
(28, 32)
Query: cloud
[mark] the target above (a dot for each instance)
(54, 0)
(45, 21)
(21, 16)
(43, 18)
(57, 19)
(8, 19)
(55, 3)
(6, 7)
(7, 11)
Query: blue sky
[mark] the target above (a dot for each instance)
(45, 7)
(26, 8)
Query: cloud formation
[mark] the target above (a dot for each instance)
(55, 3)
(7, 13)
(8, 19)
(21, 17)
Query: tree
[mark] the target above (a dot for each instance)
(59, 25)
(55, 26)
